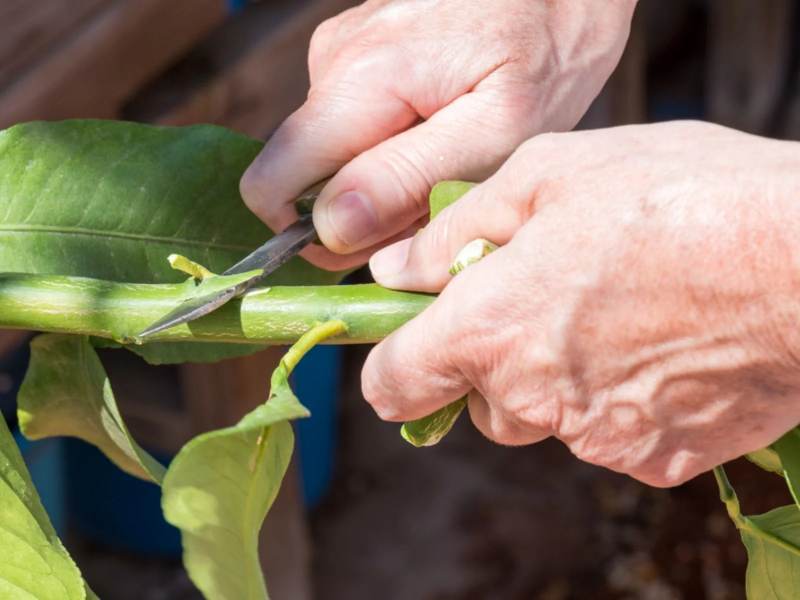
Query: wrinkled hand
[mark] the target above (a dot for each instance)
(405, 93)
(645, 308)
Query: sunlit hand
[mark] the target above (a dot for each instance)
(405, 93)
(645, 308)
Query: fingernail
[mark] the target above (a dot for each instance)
(352, 217)
(390, 261)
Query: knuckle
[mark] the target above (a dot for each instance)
(251, 187)
(539, 146)
(256, 196)
(498, 430)
(408, 177)
(321, 38)
(660, 479)
(379, 387)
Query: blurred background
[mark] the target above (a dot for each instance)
(363, 514)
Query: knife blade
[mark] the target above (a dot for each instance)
(268, 258)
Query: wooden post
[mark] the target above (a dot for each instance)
(748, 57)
(255, 71)
(92, 72)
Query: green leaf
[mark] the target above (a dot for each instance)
(767, 459)
(167, 353)
(445, 193)
(218, 489)
(428, 431)
(773, 551)
(66, 392)
(34, 565)
(788, 451)
(188, 266)
(111, 200)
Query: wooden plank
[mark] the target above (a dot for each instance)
(115, 53)
(253, 70)
(218, 395)
(748, 58)
(30, 29)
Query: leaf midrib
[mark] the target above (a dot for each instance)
(101, 233)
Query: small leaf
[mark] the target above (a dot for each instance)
(788, 451)
(34, 563)
(428, 431)
(196, 270)
(217, 283)
(767, 459)
(66, 392)
(219, 488)
(773, 551)
(471, 253)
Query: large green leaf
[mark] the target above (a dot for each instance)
(66, 392)
(773, 551)
(34, 565)
(112, 200)
(166, 353)
(221, 484)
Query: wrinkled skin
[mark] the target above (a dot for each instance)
(643, 309)
(406, 93)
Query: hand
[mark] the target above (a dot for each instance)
(405, 93)
(645, 308)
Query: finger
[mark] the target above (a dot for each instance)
(384, 189)
(325, 259)
(334, 125)
(412, 373)
(498, 426)
(329, 37)
(494, 210)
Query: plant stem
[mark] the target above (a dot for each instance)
(278, 315)
(728, 495)
(311, 338)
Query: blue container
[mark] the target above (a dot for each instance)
(110, 507)
(44, 460)
(316, 381)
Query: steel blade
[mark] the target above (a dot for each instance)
(267, 258)
(277, 251)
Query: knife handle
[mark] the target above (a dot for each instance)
(304, 203)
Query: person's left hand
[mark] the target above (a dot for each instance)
(645, 308)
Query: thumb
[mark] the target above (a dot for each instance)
(329, 129)
(385, 189)
(493, 210)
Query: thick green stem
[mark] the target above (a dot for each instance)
(279, 315)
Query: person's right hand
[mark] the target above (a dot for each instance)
(405, 93)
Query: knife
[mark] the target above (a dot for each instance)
(267, 258)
